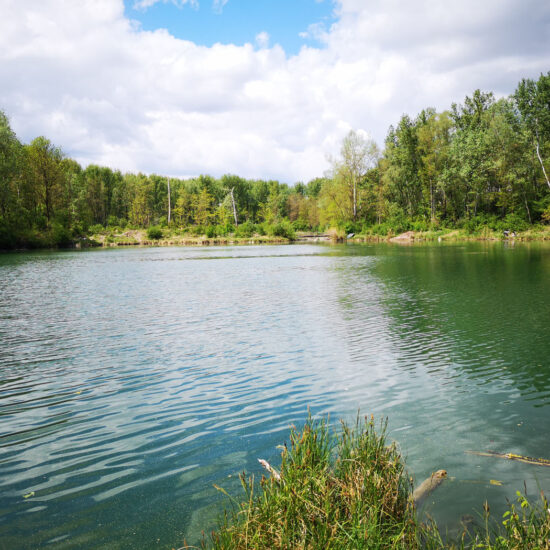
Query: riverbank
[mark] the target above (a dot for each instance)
(349, 489)
(537, 233)
(139, 238)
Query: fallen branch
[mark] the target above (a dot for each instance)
(512, 456)
(428, 485)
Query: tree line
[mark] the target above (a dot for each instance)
(481, 163)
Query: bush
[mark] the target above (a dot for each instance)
(60, 236)
(228, 228)
(197, 230)
(112, 221)
(282, 229)
(513, 222)
(154, 233)
(211, 231)
(381, 229)
(300, 225)
(96, 229)
(245, 230)
(419, 225)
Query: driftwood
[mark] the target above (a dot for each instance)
(428, 485)
(512, 456)
(270, 469)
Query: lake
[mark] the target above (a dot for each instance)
(133, 380)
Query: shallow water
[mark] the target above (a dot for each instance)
(133, 380)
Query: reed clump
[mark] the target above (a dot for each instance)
(336, 490)
(349, 490)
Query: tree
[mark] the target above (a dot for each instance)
(434, 137)
(46, 174)
(10, 153)
(401, 166)
(202, 206)
(358, 154)
(471, 150)
(533, 101)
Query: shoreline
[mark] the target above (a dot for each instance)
(407, 238)
(137, 238)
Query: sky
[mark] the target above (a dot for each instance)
(258, 88)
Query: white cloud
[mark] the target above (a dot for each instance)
(218, 5)
(145, 4)
(110, 93)
(262, 39)
(316, 31)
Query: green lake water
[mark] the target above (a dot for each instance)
(133, 380)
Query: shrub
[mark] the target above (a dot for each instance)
(245, 230)
(112, 221)
(282, 229)
(300, 225)
(96, 229)
(419, 225)
(60, 235)
(211, 231)
(513, 222)
(154, 233)
(7, 237)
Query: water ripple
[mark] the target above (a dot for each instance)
(133, 380)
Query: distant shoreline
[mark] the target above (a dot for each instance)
(137, 238)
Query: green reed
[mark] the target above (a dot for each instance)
(348, 489)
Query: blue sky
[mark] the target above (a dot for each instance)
(237, 22)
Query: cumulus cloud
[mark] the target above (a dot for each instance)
(110, 93)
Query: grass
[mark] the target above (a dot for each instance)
(349, 490)
(344, 490)
(523, 527)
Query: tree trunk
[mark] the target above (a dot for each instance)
(431, 200)
(527, 206)
(542, 163)
(169, 204)
(354, 199)
(234, 208)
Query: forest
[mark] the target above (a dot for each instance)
(481, 164)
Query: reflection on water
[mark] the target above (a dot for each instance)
(131, 381)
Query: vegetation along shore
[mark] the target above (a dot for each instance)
(478, 170)
(348, 489)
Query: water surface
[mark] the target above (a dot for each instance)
(133, 380)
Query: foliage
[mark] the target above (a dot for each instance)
(154, 233)
(282, 229)
(246, 230)
(482, 166)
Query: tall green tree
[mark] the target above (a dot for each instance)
(46, 175)
(357, 155)
(10, 163)
(533, 101)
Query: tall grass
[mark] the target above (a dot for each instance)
(348, 489)
(337, 490)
